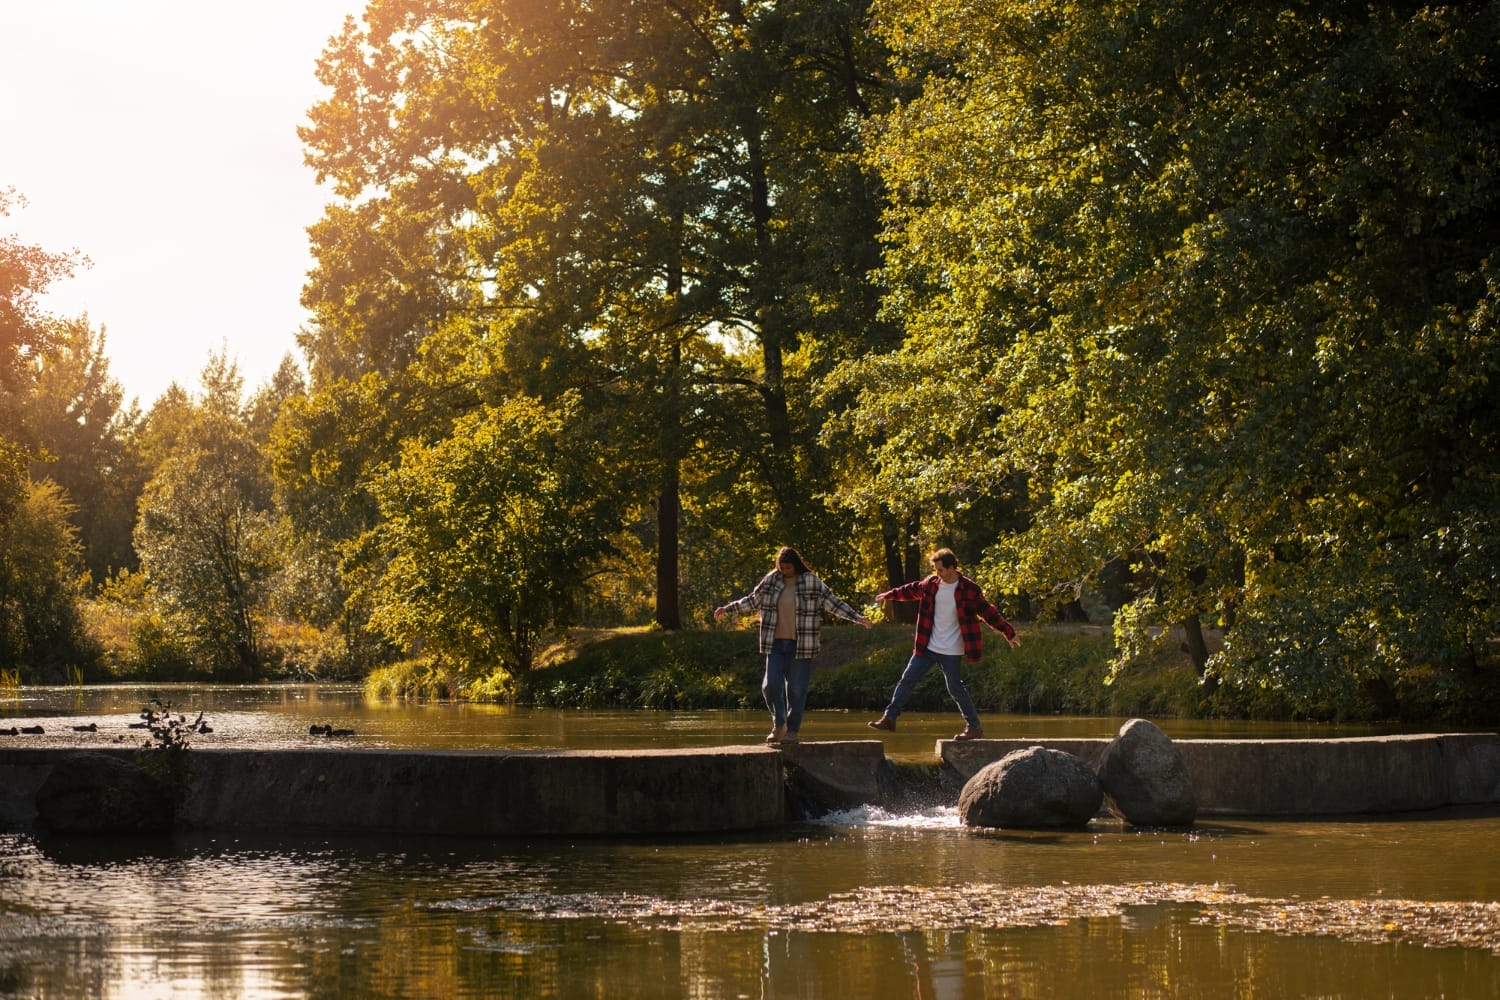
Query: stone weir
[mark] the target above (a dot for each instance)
(710, 790)
(1367, 774)
(494, 794)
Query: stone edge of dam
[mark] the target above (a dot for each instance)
(740, 788)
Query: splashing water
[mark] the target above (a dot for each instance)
(867, 816)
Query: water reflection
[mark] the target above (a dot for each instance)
(864, 906)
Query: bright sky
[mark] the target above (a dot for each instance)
(159, 138)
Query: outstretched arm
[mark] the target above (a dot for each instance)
(735, 608)
(841, 608)
(906, 592)
(995, 620)
(741, 605)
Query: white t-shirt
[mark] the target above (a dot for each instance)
(946, 637)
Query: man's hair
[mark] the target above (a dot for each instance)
(944, 556)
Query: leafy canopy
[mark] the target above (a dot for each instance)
(1219, 285)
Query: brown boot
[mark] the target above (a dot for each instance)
(971, 733)
(884, 724)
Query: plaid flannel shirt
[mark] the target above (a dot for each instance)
(813, 598)
(970, 603)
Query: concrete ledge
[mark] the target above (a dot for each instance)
(834, 775)
(471, 794)
(21, 774)
(1304, 777)
(1473, 763)
(736, 788)
(967, 757)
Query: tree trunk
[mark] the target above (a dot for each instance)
(903, 561)
(668, 507)
(785, 486)
(891, 540)
(1197, 649)
(670, 449)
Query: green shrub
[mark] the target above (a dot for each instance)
(414, 680)
(293, 650)
(651, 669)
(164, 755)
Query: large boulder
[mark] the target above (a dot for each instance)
(1035, 787)
(99, 793)
(1146, 779)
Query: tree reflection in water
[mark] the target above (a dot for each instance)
(863, 906)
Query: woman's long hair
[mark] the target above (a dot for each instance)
(791, 555)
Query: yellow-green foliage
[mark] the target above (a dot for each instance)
(486, 530)
(41, 626)
(1240, 354)
(418, 679)
(138, 641)
(1057, 670)
(652, 669)
(430, 680)
(496, 686)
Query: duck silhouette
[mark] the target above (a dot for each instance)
(92, 727)
(12, 731)
(326, 729)
(33, 730)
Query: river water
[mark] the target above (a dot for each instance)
(858, 904)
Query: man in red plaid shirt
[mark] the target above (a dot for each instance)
(948, 617)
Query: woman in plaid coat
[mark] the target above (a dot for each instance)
(791, 601)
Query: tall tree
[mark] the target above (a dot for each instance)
(1223, 283)
(608, 199)
(206, 535)
(267, 402)
(41, 623)
(25, 273)
(87, 441)
(325, 450)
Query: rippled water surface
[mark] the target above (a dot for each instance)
(861, 904)
(280, 716)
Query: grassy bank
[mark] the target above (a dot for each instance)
(1059, 669)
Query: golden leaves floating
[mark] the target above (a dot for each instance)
(900, 909)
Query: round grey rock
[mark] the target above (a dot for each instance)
(1032, 788)
(1146, 779)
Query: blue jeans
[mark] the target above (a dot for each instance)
(917, 668)
(785, 686)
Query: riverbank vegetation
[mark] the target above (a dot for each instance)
(1058, 669)
(1179, 317)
